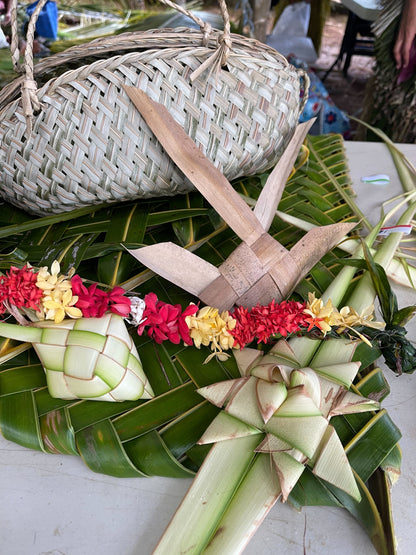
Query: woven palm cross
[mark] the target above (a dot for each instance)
(260, 269)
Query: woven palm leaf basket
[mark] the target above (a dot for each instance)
(77, 140)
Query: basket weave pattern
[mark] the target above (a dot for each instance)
(89, 144)
(94, 341)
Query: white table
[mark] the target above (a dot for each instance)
(55, 505)
(366, 9)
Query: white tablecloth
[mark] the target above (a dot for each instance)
(52, 504)
(366, 9)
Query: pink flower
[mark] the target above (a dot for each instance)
(164, 321)
(18, 288)
(95, 302)
(92, 301)
(183, 326)
(119, 304)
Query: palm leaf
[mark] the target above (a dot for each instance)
(158, 437)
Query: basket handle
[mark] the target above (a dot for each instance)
(220, 56)
(30, 101)
(305, 88)
(203, 25)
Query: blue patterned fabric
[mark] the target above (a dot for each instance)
(320, 105)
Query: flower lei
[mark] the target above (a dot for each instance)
(49, 295)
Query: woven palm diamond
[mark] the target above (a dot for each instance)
(91, 358)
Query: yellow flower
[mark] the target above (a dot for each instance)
(348, 318)
(50, 281)
(321, 315)
(327, 316)
(208, 327)
(58, 305)
(57, 300)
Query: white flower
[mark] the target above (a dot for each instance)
(136, 311)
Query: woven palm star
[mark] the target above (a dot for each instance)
(293, 407)
(260, 269)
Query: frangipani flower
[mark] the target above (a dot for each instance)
(60, 304)
(209, 327)
(49, 281)
(57, 299)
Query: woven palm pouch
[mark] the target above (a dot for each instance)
(76, 139)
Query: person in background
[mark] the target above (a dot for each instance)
(405, 46)
(391, 91)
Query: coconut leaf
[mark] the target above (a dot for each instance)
(19, 420)
(367, 513)
(374, 385)
(57, 433)
(385, 294)
(159, 436)
(381, 435)
(102, 451)
(25, 378)
(128, 224)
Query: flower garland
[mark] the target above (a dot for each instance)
(54, 296)
(50, 295)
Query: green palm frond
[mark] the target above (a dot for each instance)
(116, 438)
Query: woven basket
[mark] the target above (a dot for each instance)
(85, 142)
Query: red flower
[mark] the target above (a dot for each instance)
(18, 287)
(164, 321)
(283, 318)
(183, 326)
(95, 302)
(263, 322)
(92, 301)
(243, 331)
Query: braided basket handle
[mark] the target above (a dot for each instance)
(30, 101)
(203, 25)
(220, 56)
